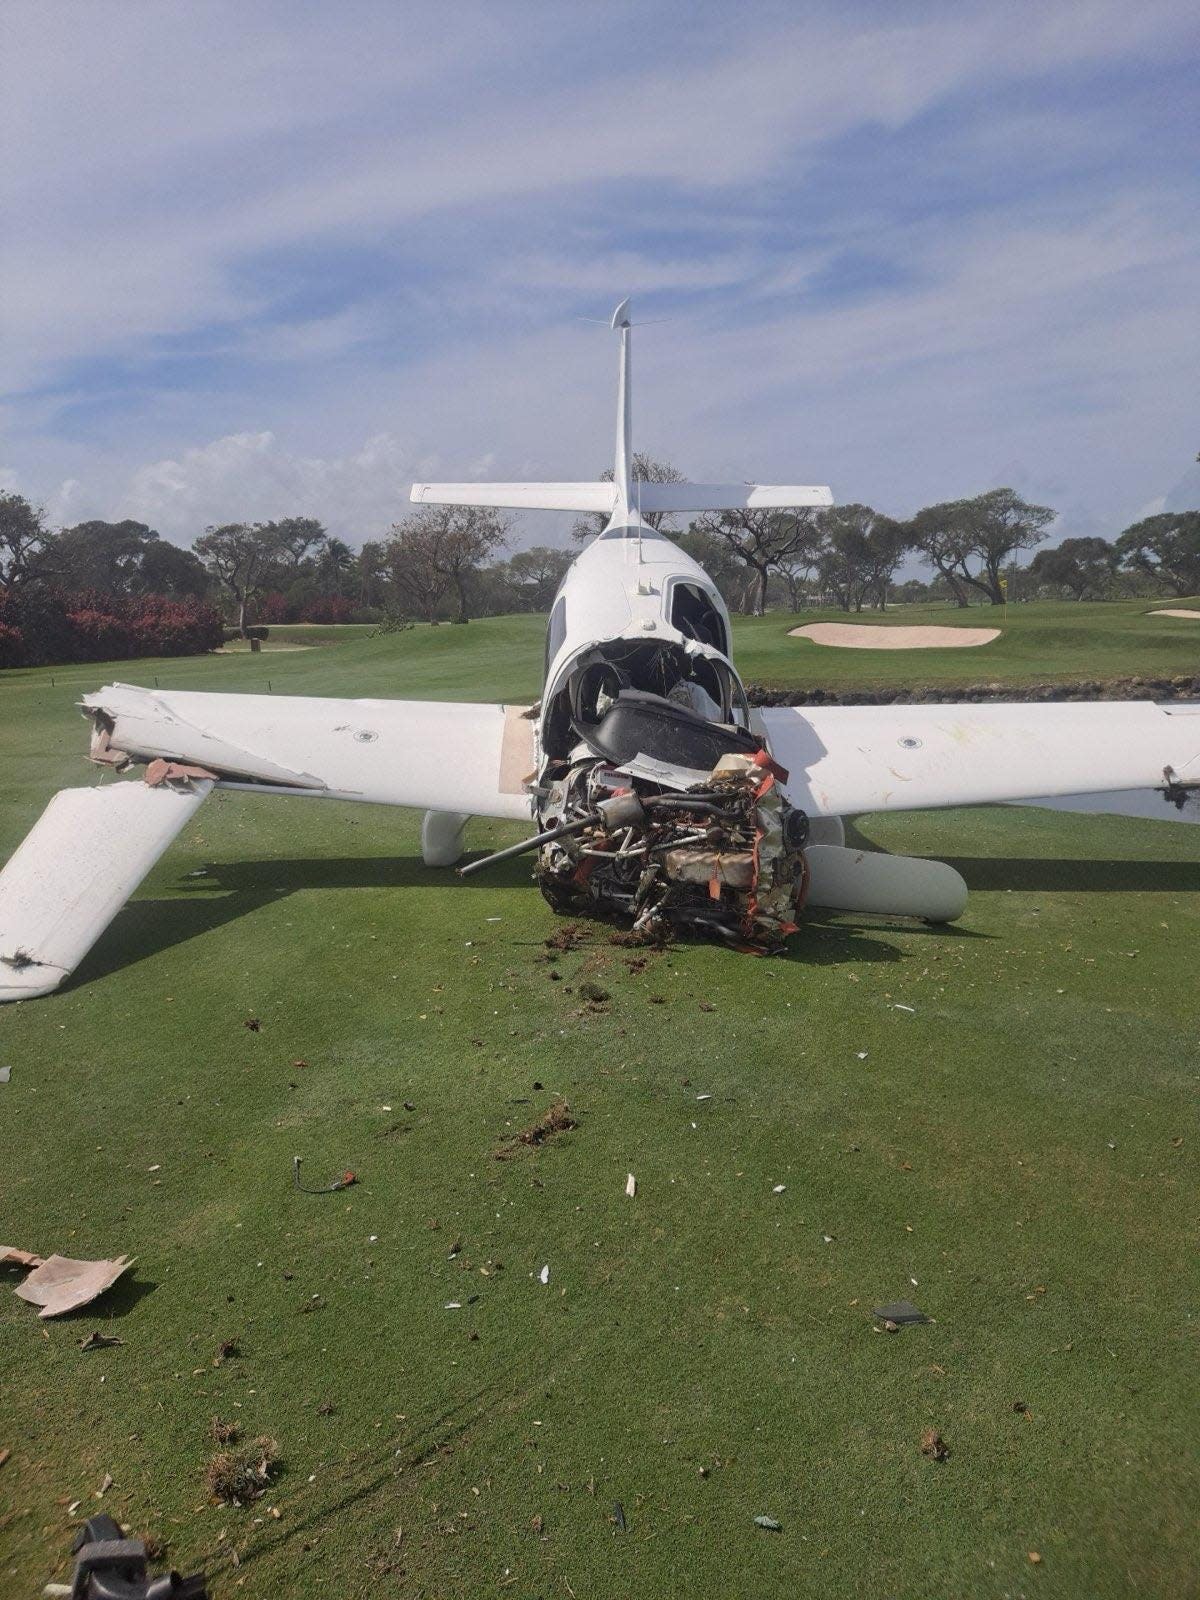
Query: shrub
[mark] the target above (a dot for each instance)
(12, 645)
(43, 627)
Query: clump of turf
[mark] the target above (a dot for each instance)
(557, 1119)
(233, 1476)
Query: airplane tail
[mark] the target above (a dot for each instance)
(626, 499)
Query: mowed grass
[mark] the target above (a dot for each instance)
(1041, 642)
(1021, 1143)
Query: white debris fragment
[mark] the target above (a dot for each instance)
(544, 1275)
(157, 1167)
(631, 1186)
(373, 1238)
(779, 1188)
(828, 1238)
(5, 1074)
(899, 1007)
(704, 1097)
(862, 1055)
(494, 919)
(453, 1305)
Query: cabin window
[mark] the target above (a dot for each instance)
(556, 631)
(694, 612)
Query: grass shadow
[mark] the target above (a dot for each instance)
(144, 927)
(1057, 873)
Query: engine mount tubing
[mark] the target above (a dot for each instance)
(526, 845)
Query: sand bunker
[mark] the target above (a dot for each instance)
(1176, 611)
(860, 636)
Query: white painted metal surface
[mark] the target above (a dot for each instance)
(518, 496)
(882, 885)
(396, 752)
(79, 864)
(847, 759)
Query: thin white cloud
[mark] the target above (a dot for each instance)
(250, 477)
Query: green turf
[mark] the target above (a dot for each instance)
(1021, 1143)
(1039, 642)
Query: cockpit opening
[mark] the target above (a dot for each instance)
(698, 683)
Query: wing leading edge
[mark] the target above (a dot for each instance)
(844, 760)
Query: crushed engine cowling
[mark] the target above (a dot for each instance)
(675, 822)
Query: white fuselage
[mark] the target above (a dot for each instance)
(626, 585)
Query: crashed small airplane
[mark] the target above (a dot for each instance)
(659, 795)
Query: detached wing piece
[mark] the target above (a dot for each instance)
(86, 855)
(847, 759)
(92, 847)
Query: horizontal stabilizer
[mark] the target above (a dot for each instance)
(84, 857)
(644, 497)
(518, 496)
(667, 497)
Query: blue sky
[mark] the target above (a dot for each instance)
(262, 259)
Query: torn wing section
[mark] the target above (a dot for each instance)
(84, 857)
(431, 754)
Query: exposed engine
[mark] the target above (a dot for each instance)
(657, 807)
(723, 857)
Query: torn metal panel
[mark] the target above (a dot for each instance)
(74, 871)
(61, 1284)
(518, 758)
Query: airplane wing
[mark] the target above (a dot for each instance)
(74, 871)
(438, 755)
(92, 847)
(843, 760)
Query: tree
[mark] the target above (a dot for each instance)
(168, 570)
(293, 539)
(416, 583)
(239, 557)
(1165, 547)
(648, 470)
(24, 540)
(370, 567)
(1082, 566)
(536, 573)
(334, 560)
(761, 540)
(124, 558)
(454, 541)
(860, 551)
(987, 530)
(939, 533)
(723, 567)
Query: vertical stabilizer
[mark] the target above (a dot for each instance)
(623, 466)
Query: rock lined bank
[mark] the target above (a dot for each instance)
(1179, 688)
